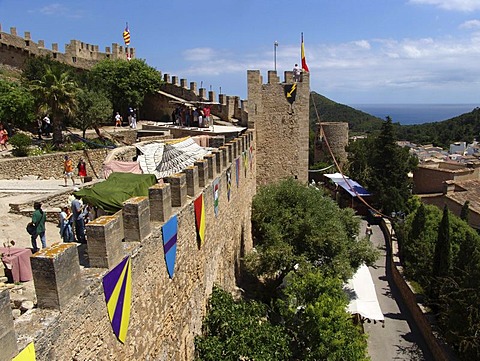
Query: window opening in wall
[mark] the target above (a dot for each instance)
(54, 55)
(27, 43)
(74, 59)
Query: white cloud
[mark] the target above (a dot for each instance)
(363, 44)
(54, 9)
(455, 5)
(470, 24)
(199, 54)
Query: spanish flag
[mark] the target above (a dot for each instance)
(126, 36)
(304, 62)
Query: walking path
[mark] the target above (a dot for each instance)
(399, 340)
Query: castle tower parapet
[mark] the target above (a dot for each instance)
(279, 112)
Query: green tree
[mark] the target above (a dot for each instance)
(383, 166)
(313, 309)
(125, 82)
(94, 108)
(442, 260)
(464, 213)
(293, 222)
(16, 104)
(240, 330)
(56, 93)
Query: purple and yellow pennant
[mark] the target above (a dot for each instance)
(169, 234)
(117, 287)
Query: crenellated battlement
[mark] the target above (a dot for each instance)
(15, 50)
(71, 319)
(160, 106)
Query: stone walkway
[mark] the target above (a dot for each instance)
(400, 339)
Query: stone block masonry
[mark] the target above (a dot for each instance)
(281, 128)
(8, 340)
(56, 274)
(166, 314)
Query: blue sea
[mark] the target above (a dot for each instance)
(407, 114)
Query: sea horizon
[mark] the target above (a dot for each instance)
(409, 114)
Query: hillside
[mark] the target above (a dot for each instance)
(330, 111)
(465, 127)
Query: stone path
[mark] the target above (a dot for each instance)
(399, 340)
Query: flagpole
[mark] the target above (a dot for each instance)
(275, 45)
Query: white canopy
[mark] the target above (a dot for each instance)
(363, 298)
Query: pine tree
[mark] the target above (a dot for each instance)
(442, 259)
(465, 211)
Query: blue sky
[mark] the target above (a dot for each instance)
(358, 51)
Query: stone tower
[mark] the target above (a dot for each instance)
(279, 113)
(336, 133)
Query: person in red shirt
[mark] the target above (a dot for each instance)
(82, 169)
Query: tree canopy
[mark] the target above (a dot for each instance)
(383, 167)
(293, 223)
(125, 82)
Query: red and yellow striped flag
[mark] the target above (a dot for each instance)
(304, 61)
(126, 36)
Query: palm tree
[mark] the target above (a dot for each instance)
(56, 93)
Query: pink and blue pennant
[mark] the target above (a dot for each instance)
(169, 234)
(117, 287)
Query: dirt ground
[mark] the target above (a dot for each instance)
(12, 226)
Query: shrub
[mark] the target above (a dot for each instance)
(20, 143)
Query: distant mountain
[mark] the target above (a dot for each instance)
(330, 111)
(465, 127)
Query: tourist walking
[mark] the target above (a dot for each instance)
(38, 219)
(368, 230)
(68, 170)
(118, 120)
(82, 170)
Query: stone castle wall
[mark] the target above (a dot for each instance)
(166, 314)
(172, 92)
(281, 128)
(51, 165)
(15, 50)
(336, 134)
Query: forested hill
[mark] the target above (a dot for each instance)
(330, 111)
(463, 128)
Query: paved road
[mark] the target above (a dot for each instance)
(399, 340)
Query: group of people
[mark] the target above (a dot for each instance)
(68, 170)
(44, 127)
(3, 138)
(132, 119)
(185, 116)
(71, 222)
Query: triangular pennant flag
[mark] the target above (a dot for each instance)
(27, 354)
(199, 208)
(237, 171)
(169, 234)
(245, 162)
(117, 286)
(229, 182)
(216, 195)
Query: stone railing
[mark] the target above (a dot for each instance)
(71, 320)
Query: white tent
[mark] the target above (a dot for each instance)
(363, 298)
